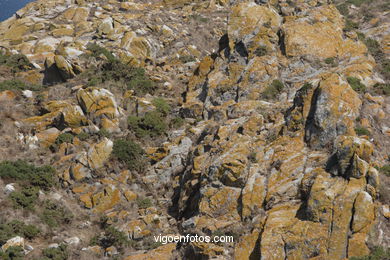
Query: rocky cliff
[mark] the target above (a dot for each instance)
(268, 121)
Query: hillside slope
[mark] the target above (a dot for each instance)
(267, 121)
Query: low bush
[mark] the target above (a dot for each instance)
(103, 133)
(261, 51)
(385, 70)
(17, 62)
(129, 153)
(144, 203)
(18, 85)
(55, 253)
(356, 84)
(378, 253)
(199, 18)
(25, 198)
(54, 214)
(42, 177)
(135, 78)
(343, 9)
(385, 170)
(17, 228)
(64, 138)
(273, 90)
(111, 237)
(151, 124)
(373, 47)
(252, 157)
(356, 2)
(350, 25)
(149, 244)
(12, 253)
(176, 122)
(330, 61)
(83, 136)
(96, 51)
(362, 131)
(382, 89)
(187, 58)
(161, 106)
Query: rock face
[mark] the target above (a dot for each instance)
(275, 131)
(334, 109)
(310, 200)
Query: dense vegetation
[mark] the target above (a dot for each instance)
(114, 70)
(129, 153)
(17, 228)
(273, 90)
(18, 85)
(28, 174)
(378, 253)
(17, 62)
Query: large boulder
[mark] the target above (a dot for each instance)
(334, 108)
(98, 102)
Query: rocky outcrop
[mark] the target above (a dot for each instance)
(270, 147)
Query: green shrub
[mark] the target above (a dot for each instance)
(17, 62)
(177, 122)
(350, 25)
(17, 228)
(378, 253)
(161, 106)
(152, 124)
(362, 131)
(133, 78)
(104, 133)
(134, 123)
(12, 253)
(64, 138)
(111, 237)
(385, 70)
(356, 84)
(144, 203)
(25, 198)
(83, 136)
(199, 18)
(305, 88)
(54, 214)
(149, 244)
(18, 85)
(373, 47)
(361, 36)
(252, 157)
(59, 253)
(187, 58)
(330, 61)
(30, 231)
(343, 9)
(96, 50)
(356, 2)
(128, 152)
(273, 90)
(261, 51)
(114, 237)
(385, 169)
(382, 89)
(21, 171)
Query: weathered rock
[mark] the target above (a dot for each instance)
(15, 241)
(334, 109)
(98, 103)
(164, 252)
